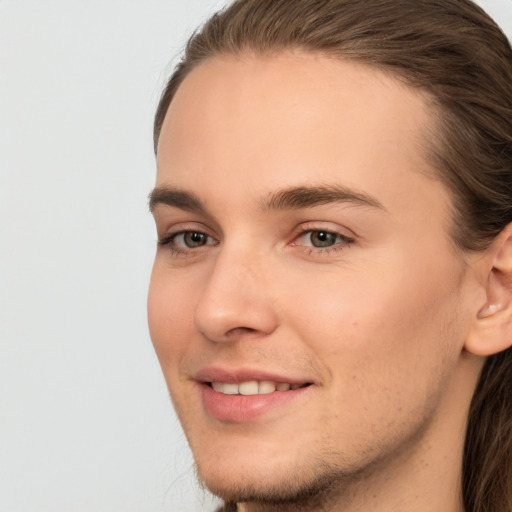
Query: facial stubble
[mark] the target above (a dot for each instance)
(320, 484)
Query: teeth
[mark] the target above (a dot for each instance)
(247, 388)
(253, 387)
(230, 389)
(218, 386)
(266, 386)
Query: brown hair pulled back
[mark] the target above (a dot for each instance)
(454, 52)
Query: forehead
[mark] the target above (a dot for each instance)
(253, 124)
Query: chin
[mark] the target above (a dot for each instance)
(270, 481)
(287, 490)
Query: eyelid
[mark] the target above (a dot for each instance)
(166, 240)
(328, 227)
(182, 227)
(346, 239)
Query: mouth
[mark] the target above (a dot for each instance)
(245, 396)
(254, 387)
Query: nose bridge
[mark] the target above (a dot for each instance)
(235, 298)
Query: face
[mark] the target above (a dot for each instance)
(305, 301)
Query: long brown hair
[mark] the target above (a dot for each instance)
(452, 50)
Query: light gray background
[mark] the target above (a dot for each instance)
(85, 421)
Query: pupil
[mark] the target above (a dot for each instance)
(322, 239)
(195, 239)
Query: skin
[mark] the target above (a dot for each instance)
(377, 324)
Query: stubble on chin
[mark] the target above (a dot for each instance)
(323, 485)
(320, 484)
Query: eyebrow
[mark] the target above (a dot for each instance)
(175, 197)
(294, 198)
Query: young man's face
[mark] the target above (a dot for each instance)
(305, 246)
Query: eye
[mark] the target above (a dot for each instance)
(186, 240)
(191, 239)
(322, 239)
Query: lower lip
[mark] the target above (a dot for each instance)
(240, 408)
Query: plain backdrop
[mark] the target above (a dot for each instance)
(85, 420)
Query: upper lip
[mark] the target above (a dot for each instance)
(239, 375)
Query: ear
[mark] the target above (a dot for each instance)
(491, 331)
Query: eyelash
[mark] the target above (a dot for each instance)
(169, 242)
(342, 243)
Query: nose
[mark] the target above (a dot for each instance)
(235, 301)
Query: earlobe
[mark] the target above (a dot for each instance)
(491, 331)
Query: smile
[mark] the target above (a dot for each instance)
(249, 399)
(253, 387)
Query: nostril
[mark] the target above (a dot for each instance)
(242, 329)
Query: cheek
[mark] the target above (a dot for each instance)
(377, 330)
(386, 351)
(170, 318)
